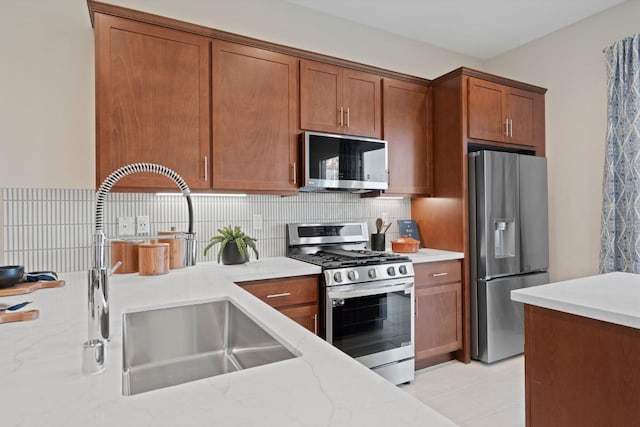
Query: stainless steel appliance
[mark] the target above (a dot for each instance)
(509, 246)
(367, 298)
(343, 163)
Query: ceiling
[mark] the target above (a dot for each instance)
(478, 28)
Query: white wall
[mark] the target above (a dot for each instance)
(47, 114)
(570, 63)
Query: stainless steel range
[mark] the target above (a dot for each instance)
(367, 300)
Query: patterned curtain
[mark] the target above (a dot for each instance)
(620, 238)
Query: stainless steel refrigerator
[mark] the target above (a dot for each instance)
(509, 246)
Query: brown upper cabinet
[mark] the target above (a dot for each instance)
(255, 127)
(224, 111)
(339, 100)
(497, 112)
(152, 102)
(406, 123)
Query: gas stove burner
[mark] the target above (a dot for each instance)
(341, 258)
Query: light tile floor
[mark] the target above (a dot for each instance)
(474, 395)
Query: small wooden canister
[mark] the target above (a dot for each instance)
(176, 248)
(127, 253)
(153, 259)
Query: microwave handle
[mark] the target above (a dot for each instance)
(366, 292)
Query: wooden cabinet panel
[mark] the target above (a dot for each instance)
(339, 100)
(579, 371)
(295, 297)
(254, 118)
(434, 273)
(362, 103)
(522, 116)
(486, 110)
(306, 315)
(438, 320)
(406, 128)
(320, 97)
(286, 291)
(504, 114)
(152, 102)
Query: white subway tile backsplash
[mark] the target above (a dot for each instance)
(51, 229)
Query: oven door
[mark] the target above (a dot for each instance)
(372, 322)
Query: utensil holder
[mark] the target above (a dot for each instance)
(377, 241)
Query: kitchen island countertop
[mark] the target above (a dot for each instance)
(612, 297)
(40, 364)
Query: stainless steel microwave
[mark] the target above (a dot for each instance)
(343, 163)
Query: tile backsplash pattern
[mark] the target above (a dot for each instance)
(51, 229)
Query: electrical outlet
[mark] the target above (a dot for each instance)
(257, 221)
(126, 226)
(385, 217)
(142, 224)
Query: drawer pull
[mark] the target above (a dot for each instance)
(440, 274)
(284, 294)
(315, 324)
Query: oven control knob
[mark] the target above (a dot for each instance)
(391, 271)
(403, 269)
(372, 273)
(352, 275)
(337, 277)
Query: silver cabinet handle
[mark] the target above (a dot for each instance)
(295, 173)
(506, 127)
(511, 128)
(440, 274)
(315, 324)
(284, 294)
(341, 114)
(347, 116)
(206, 168)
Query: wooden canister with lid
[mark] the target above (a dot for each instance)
(127, 253)
(176, 248)
(153, 259)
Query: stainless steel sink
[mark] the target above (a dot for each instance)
(169, 346)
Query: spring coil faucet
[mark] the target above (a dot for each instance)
(93, 348)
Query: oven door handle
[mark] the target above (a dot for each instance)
(369, 291)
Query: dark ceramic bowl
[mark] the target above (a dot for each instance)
(10, 275)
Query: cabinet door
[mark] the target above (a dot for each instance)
(321, 97)
(438, 320)
(254, 118)
(405, 123)
(522, 115)
(362, 104)
(152, 102)
(486, 110)
(305, 315)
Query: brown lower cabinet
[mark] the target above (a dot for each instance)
(579, 372)
(438, 313)
(295, 297)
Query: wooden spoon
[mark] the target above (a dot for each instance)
(379, 224)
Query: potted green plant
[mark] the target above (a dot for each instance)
(234, 245)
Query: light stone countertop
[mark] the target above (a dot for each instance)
(433, 255)
(40, 364)
(612, 297)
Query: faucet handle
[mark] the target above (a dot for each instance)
(115, 268)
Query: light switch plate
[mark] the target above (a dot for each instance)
(126, 226)
(142, 224)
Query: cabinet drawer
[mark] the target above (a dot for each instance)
(433, 273)
(283, 292)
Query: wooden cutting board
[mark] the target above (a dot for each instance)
(28, 287)
(18, 316)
